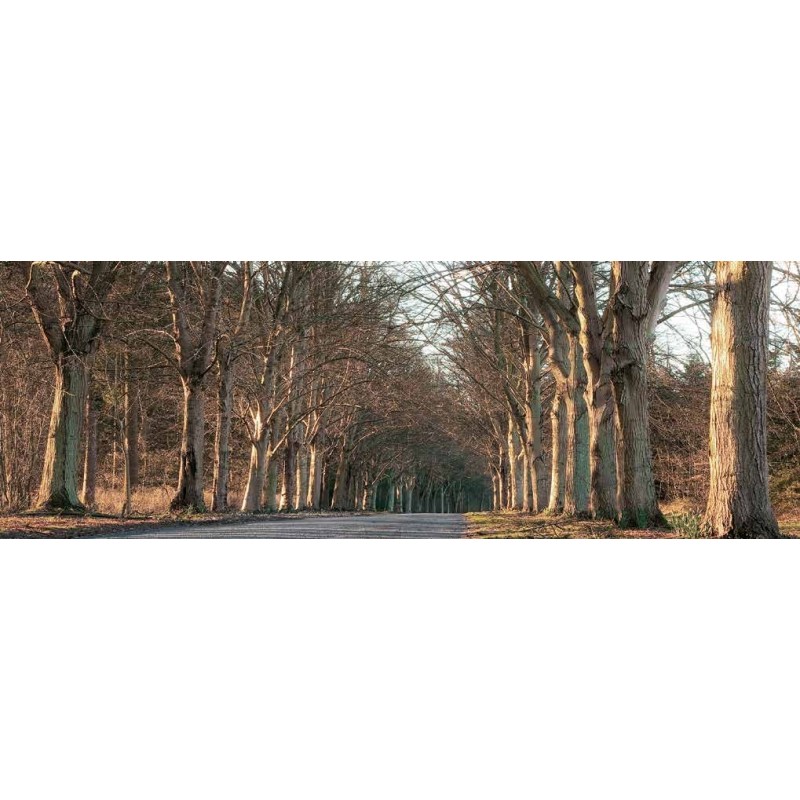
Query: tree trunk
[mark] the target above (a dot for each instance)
(603, 452)
(303, 471)
(315, 476)
(125, 440)
(90, 464)
(222, 438)
(289, 467)
(738, 502)
(271, 486)
(637, 492)
(189, 494)
(58, 490)
(127, 502)
(577, 472)
(533, 444)
(256, 474)
(514, 476)
(558, 422)
(339, 501)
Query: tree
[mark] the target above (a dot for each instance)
(67, 301)
(195, 355)
(638, 291)
(738, 502)
(229, 347)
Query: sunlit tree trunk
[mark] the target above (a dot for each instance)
(599, 395)
(90, 463)
(515, 475)
(558, 459)
(68, 306)
(271, 480)
(738, 502)
(259, 448)
(58, 488)
(195, 355)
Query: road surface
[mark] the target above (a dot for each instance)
(377, 526)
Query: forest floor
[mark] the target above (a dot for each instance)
(518, 525)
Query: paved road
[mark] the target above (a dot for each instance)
(378, 526)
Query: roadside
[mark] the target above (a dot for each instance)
(54, 526)
(518, 525)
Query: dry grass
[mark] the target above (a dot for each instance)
(147, 500)
(517, 525)
(47, 526)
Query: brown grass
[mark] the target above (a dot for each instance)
(44, 526)
(517, 525)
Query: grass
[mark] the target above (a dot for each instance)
(684, 524)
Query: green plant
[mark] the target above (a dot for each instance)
(687, 525)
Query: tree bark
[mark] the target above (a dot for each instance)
(58, 489)
(738, 503)
(637, 493)
(189, 494)
(576, 495)
(90, 464)
(194, 354)
(599, 392)
(68, 307)
(558, 460)
(222, 437)
(515, 476)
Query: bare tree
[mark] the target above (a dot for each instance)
(67, 302)
(195, 351)
(638, 291)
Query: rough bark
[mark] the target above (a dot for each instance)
(632, 308)
(189, 493)
(58, 487)
(558, 452)
(222, 436)
(93, 407)
(738, 502)
(68, 305)
(194, 355)
(597, 357)
(577, 472)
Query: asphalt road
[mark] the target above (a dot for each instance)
(377, 526)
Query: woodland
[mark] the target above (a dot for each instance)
(650, 395)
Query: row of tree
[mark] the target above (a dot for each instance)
(579, 337)
(300, 382)
(529, 385)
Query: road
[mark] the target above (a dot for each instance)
(377, 526)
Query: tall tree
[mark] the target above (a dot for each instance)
(193, 284)
(229, 348)
(638, 291)
(738, 502)
(67, 301)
